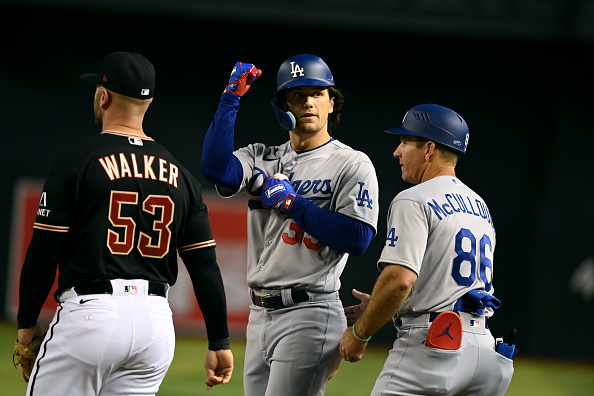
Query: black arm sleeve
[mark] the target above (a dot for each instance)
(208, 287)
(38, 275)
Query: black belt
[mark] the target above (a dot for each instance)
(271, 302)
(105, 287)
(432, 315)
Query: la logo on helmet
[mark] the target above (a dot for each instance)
(296, 69)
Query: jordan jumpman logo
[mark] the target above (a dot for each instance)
(446, 332)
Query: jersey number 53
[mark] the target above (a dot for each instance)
(146, 246)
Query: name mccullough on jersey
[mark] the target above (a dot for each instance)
(457, 203)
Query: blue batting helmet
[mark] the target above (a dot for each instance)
(303, 70)
(436, 123)
(299, 71)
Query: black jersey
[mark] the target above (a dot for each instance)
(125, 205)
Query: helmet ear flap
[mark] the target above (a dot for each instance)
(285, 118)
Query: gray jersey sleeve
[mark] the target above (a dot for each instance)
(406, 240)
(358, 197)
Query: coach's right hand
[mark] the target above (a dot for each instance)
(219, 367)
(242, 77)
(353, 312)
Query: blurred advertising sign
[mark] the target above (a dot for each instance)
(228, 219)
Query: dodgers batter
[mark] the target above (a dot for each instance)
(437, 272)
(114, 212)
(312, 202)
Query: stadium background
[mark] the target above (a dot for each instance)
(519, 72)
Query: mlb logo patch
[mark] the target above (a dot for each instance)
(135, 141)
(474, 323)
(145, 92)
(131, 289)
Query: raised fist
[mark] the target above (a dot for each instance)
(242, 77)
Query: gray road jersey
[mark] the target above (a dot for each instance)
(443, 231)
(334, 177)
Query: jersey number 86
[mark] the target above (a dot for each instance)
(466, 252)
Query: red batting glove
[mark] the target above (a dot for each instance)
(242, 77)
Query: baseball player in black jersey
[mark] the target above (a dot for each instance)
(112, 214)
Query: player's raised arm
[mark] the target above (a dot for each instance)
(219, 166)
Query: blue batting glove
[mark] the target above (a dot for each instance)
(278, 194)
(509, 351)
(242, 77)
(484, 298)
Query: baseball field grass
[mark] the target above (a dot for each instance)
(532, 377)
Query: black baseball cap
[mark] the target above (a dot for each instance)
(125, 73)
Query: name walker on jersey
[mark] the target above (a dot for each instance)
(147, 167)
